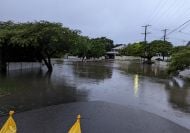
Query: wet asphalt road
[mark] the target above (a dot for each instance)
(97, 117)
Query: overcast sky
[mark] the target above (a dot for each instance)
(119, 20)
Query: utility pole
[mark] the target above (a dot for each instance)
(145, 32)
(165, 34)
(164, 37)
(146, 51)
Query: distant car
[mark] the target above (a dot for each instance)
(159, 59)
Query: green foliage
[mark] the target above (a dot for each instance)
(80, 47)
(179, 61)
(136, 49)
(43, 38)
(148, 50)
(97, 48)
(178, 49)
(108, 43)
(49, 37)
(90, 48)
(161, 47)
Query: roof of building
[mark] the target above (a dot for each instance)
(112, 52)
(120, 47)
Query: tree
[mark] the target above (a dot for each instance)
(148, 50)
(81, 47)
(179, 61)
(108, 43)
(161, 47)
(90, 48)
(7, 31)
(45, 38)
(48, 38)
(97, 48)
(178, 49)
(136, 49)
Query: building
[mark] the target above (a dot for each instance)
(115, 51)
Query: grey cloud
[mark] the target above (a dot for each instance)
(120, 20)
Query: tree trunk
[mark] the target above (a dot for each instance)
(4, 67)
(3, 63)
(163, 57)
(50, 67)
(48, 64)
(149, 61)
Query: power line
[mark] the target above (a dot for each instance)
(179, 39)
(179, 6)
(186, 33)
(175, 6)
(184, 27)
(156, 36)
(174, 30)
(171, 10)
(156, 11)
(155, 29)
(165, 11)
(182, 11)
(158, 33)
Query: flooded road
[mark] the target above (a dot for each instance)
(127, 83)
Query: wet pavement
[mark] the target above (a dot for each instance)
(97, 117)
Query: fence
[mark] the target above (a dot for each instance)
(22, 65)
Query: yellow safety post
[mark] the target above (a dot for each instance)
(10, 125)
(76, 127)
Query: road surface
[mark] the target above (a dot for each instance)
(97, 117)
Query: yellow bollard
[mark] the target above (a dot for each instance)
(10, 125)
(76, 127)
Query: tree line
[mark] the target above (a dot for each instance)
(180, 59)
(180, 55)
(148, 50)
(42, 40)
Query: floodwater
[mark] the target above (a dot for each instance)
(128, 83)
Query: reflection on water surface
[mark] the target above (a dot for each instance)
(126, 83)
